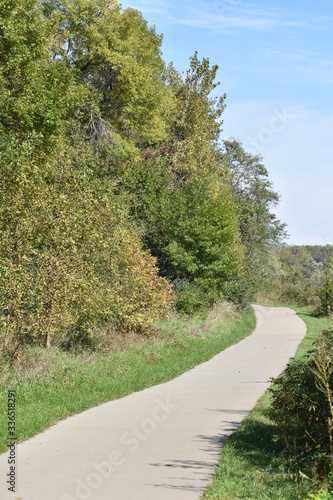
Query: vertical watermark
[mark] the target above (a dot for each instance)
(11, 442)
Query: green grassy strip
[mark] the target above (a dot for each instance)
(73, 383)
(251, 465)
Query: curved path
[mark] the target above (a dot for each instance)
(163, 442)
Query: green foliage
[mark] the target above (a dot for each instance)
(37, 92)
(192, 229)
(299, 274)
(259, 228)
(325, 292)
(321, 495)
(197, 120)
(303, 276)
(118, 57)
(320, 252)
(191, 298)
(112, 184)
(68, 253)
(302, 405)
(202, 242)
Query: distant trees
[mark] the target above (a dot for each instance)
(299, 275)
(303, 275)
(115, 191)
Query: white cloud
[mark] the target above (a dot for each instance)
(225, 16)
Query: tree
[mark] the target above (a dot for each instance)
(298, 276)
(118, 56)
(259, 227)
(38, 92)
(191, 228)
(197, 119)
(187, 209)
(69, 256)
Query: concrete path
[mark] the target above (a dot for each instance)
(163, 442)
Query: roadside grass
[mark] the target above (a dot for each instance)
(52, 384)
(252, 464)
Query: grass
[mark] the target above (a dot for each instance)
(51, 384)
(252, 463)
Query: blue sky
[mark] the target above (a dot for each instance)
(276, 67)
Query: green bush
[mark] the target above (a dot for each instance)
(302, 406)
(190, 298)
(325, 293)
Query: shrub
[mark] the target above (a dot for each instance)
(70, 259)
(190, 298)
(325, 293)
(302, 406)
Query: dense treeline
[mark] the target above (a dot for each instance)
(117, 199)
(303, 275)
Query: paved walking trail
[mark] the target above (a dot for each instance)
(163, 442)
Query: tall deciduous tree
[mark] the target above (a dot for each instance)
(197, 119)
(188, 209)
(193, 230)
(259, 227)
(119, 57)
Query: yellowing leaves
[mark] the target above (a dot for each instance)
(71, 256)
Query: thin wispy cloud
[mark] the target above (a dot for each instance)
(308, 67)
(220, 15)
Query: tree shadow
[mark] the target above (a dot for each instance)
(194, 475)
